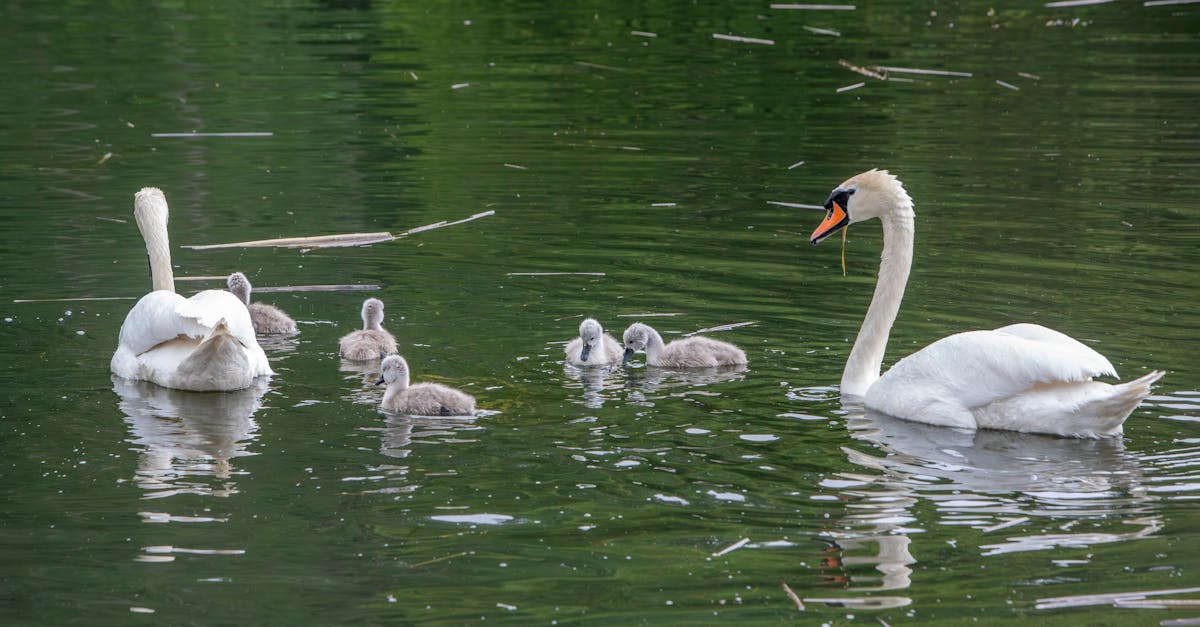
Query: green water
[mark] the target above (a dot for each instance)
(1071, 201)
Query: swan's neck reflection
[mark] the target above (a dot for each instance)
(187, 439)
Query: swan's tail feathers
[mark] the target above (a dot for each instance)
(1115, 408)
(218, 363)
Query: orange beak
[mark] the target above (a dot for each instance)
(833, 222)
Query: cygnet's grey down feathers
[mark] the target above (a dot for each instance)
(372, 342)
(688, 352)
(420, 399)
(267, 319)
(593, 347)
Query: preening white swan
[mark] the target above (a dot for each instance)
(421, 399)
(689, 352)
(203, 343)
(267, 319)
(1023, 377)
(372, 341)
(593, 347)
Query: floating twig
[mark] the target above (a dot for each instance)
(744, 40)
(1075, 3)
(439, 559)
(649, 315)
(365, 287)
(1008, 85)
(642, 33)
(723, 327)
(1012, 522)
(117, 220)
(1163, 3)
(1157, 604)
(814, 7)
(228, 134)
(795, 165)
(71, 300)
(334, 241)
(1084, 600)
(861, 70)
(795, 205)
(793, 596)
(662, 204)
(515, 166)
(822, 31)
(555, 273)
(1035, 76)
(864, 603)
(106, 157)
(211, 277)
(733, 547)
(913, 70)
(850, 87)
(600, 67)
(460, 85)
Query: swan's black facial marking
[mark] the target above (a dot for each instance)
(628, 355)
(585, 352)
(837, 215)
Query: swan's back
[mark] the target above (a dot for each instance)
(367, 344)
(699, 352)
(431, 399)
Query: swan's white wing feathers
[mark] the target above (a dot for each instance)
(981, 367)
(162, 315)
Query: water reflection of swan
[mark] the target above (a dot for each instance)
(993, 480)
(368, 373)
(594, 381)
(186, 436)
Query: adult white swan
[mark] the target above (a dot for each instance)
(1022, 377)
(203, 343)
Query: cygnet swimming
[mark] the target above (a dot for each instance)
(688, 352)
(420, 399)
(267, 319)
(372, 342)
(593, 347)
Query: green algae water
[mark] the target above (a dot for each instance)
(635, 156)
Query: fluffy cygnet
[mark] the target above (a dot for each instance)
(267, 320)
(420, 399)
(688, 352)
(372, 342)
(593, 347)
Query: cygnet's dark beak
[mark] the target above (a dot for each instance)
(380, 381)
(583, 354)
(628, 355)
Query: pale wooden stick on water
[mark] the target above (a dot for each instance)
(744, 40)
(793, 596)
(722, 327)
(733, 547)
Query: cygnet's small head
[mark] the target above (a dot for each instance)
(372, 313)
(636, 337)
(591, 334)
(239, 286)
(394, 370)
(872, 194)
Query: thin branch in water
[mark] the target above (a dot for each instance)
(438, 225)
(814, 7)
(795, 165)
(1035, 76)
(642, 33)
(1008, 85)
(1084, 600)
(793, 596)
(600, 67)
(795, 205)
(555, 274)
(850, 87)
(912, 70)
(733, 547)
(440, 559)
(71, 300)
(515, 166)
(460, 85)
(649, 315)
(822, 31)
(365, 287)
(202, 278)
(862, 70)
(744, 40)
(722, 327)
(319, 241)
(662, 204)
(1075, 3)
(230, 134)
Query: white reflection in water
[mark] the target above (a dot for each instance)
(367, 373)
(187, 439)
(650, 383)
(597, 383)
(402, 435)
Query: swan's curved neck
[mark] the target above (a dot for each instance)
(372, 322)
(152, 222)
(654, 343)
(866, 358)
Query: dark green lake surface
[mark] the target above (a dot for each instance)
(1059, 183)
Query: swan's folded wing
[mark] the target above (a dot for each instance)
(984, 366)
(155, 319)
(207, 308)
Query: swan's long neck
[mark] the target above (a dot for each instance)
(866, 358)
(150, 211)
(654, 343)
